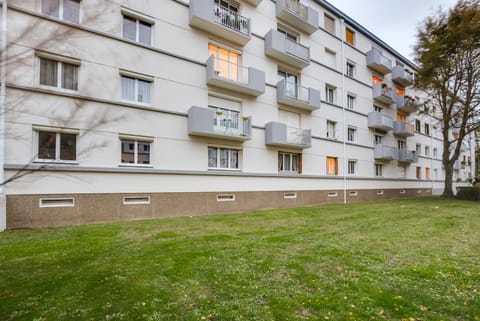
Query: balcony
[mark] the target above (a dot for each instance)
(297, 15)
(383, 93)
(218, 20)
(278, 46)
(254, 2)
(297, 96)
(224, 74)
(378, 62)
(403, 129)
(406, 104)
(377, 120)
(407, 156)
(280, 134)
(209, 123)
(383, 152)
(401, 76)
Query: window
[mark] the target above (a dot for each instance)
(135, 152)
(427, 150)
(288, 162)
(427, 172)
(377, 108)
(351, 167)
(376, 79)
(137, 30)
(57, 146)
(351, 101)
(137, 90)
(418, 126)
(58, 74)
(330, 94)
(435, 173)
(330, 58)
(378, 139)
(351, 134)
(419, 172)
(329, 23)
(350, 36)
(68, 10)
(402, 144)
(435, 152)
(332, 166)
(223, 158)
(418, 149)
(400, 91)
(331, 129)
(350, 69)
(289, 35)
(401, 117)
(226, 62)
(378, 170)
(427, 129)
(291, 88)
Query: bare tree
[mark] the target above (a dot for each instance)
(448, 55)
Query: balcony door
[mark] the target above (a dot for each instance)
(291, 83)
(226, 62)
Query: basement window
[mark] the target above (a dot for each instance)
(136, 200)
(290, 195)
(57, 202)
(380, 192)
(353, 193)
(403, 191)
(225, 197)
(332, 194)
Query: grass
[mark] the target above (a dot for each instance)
(391, 260)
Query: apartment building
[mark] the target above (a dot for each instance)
(125, 109)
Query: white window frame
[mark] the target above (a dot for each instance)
(351, 167)
(377, 108)
(57, 132)
(351, 99)
(331, 125)
(138, 19)
(378, 170)
(136, 140)
(230, 150)
(291, 168)
(351, 131)
(136, 77)
(60, 60)
(377, 139)
(427, 150)
(330, 92)
(61, 9)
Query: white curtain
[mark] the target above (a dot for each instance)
(129, 28)
(145, 33)
(71, 10)
(144, 91)
(128, 88)
(51, 7)
(69, 76)
(48, 72)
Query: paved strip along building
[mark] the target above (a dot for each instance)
(127, 109)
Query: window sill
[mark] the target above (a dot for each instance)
(55, 162)
(58, 89)
(224, 169)
(136, 165)
(133, 102)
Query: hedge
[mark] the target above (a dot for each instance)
(469, 193)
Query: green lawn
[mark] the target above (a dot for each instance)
(391, 260)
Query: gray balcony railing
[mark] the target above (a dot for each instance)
(230, 75)
(383, 93)
(407, 156)
(402, 128)
(406, 103)
(385, 152)
(297, 8)
(298, 136)
(231, 124)
(292, 94)
(296, 48)
(378, 62)
(231, 19)
(280, 134)
(380, 121)
(402, 76)
(297, 92)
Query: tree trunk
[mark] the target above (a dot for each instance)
(448, 187)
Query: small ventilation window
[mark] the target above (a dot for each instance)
(353, 193)
(57, 202)
(419, 191)
(290, 195)
(135, 200)
(402, 191)
(380, 192)
(428, 190)
(332, 194)
(225, 197)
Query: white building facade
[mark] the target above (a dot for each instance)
(127, 109)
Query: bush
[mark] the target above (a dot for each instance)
(469, 193)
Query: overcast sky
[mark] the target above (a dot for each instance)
(393, 21)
